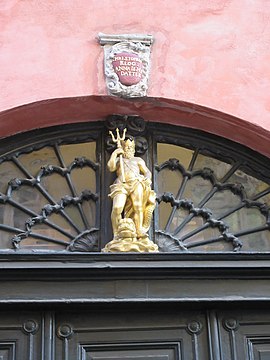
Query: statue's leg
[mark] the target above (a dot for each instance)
(137, 202)
(117, 209)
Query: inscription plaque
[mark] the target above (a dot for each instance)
(128, 67)
(126, 64)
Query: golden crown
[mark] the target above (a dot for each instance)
(129, 141)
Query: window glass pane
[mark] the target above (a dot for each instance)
(179, 215)
(40, 244)
(13, 216)
(38, 158)
(220, 168)
(5, 242)
(75, 216)
(30, 198)
(191, 224)
(44, 230)
(83, 179)
(56, 186)
(220, 246)
(258, 242)
(59, 220)
(252, 185)
(245, 218)
(210, 233)
(222, 202)
(265, 199)
(89, 210)
(164, 211)
(167, 151)
(70, 151)
(197, 189)
(169, 181)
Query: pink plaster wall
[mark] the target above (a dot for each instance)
(214, 53)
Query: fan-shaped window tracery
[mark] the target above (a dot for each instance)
(211, 195)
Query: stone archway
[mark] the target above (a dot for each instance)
(60, 111)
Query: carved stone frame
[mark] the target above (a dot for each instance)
(136, 44)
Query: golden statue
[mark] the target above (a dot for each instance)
(133, 199)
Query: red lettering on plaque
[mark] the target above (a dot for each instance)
(128, 67)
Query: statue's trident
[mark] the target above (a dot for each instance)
(118, 140)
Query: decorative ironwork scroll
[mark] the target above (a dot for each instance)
(63, 223)
(190, 221)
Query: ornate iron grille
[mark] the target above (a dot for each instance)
(49, 195)
(212, 195)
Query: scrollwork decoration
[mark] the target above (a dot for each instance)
(85, 242)
(135, 126)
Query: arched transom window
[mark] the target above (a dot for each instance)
(212, 195)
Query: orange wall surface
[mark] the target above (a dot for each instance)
(211, 53)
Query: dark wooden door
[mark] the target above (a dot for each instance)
(131, 333)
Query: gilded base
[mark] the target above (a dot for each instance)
(126, 240)
(130, 245)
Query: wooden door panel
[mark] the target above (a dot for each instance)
(259, 348)
(132, 336)
(245, 334)
(20, 336)
(139, 351)
(7, 350)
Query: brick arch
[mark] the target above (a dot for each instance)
(60, 111)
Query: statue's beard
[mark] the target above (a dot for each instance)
(129, 154)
